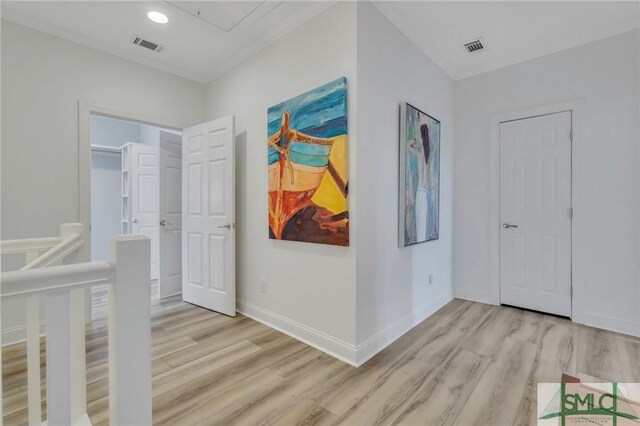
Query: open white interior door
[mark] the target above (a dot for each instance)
(208, 212)
(170, 277)
(144, 197)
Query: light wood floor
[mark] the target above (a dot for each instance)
(469, 363)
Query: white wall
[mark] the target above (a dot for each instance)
(112, 132)
(392, 290)
(311, 288)
(106, 201)
(605, 74)
(42, 79)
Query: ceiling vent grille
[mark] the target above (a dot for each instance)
(474, 46)
(147, 44)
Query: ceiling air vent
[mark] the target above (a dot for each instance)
(147, 44)
(475, 45)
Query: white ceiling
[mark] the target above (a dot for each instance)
(513, 31)
(205, 38)
(198, 48)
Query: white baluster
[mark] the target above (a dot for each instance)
(33, 360)
(77, 350)
(1, 388)
(59, 368)
(66, 363)
(130, 332)
(33, 353)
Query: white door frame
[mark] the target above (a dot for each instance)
(85, 111)
(576, 107)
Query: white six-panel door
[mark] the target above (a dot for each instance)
(170, 277)
(144, 197)
(208, 211)
(535, 213)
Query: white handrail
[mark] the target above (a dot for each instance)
(55, 254)
(33, 282)
(28, 245)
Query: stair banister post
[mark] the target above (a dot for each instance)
(33, 352)
(66, 376)
(80, 256)
(130, 331)
(59, 375)
(77, 352)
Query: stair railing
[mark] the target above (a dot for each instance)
(127, 272)
(40, 253)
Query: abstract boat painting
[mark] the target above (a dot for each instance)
(307, 164)
(419, 176)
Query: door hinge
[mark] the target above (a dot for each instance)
(571, 134)
(571, 291)
(570, 212)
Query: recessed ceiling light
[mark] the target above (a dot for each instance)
(158, 17)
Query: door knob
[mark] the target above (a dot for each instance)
(228, 226)
(164, 223)
(508, 225)
(135, 220)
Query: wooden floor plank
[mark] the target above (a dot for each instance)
(186, 373)
(300, 386)
(305, 413)
(598, 354)
(387, 398)
(489, 333)
(493, 401)
(556, 354)
(445, 393)
(629, 356)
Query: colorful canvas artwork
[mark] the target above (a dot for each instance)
(307, 163)
(419, 176)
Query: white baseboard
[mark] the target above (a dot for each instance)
(476, 296)
(13, 335)
(592, 319)
(169, 295)
(604, 322)
(337, 348)
(330, 345)
(376, 343)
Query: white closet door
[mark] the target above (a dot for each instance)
(144, 197)
(208, 201)
(535, 213)
(170, 280)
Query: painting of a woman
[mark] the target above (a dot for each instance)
(419, 176)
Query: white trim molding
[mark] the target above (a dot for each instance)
(85, 111)
(379, 341)
(330, 345)
(355, 355)
(476, 296)
(607, 322)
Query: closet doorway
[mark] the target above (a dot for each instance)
(136, 180)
